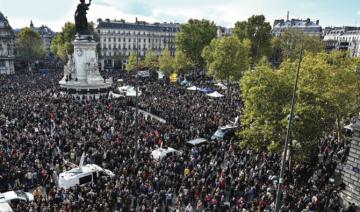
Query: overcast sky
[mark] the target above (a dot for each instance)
(54, 13)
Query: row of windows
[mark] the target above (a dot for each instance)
(114, 39)
(347, 38)
(127, 53)
(129, 47)
(120, 32)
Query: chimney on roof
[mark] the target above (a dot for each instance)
(136, 20)
(317, 22)
(288, 15)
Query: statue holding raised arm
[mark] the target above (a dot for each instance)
(82, 26)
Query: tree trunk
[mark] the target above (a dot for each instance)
(29, 66)
(228, 87)
(339, 129)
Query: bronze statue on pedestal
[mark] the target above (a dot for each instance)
(81, 23)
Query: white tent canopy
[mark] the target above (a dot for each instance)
(215, 94)
(114, 95)
(124, 88)
(128, 91)
(222, 86)
(132, 92)
(349, 127)
(161, 75)
(193, 88)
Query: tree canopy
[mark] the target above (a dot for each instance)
(166, 62)
(182, 64)
(31, 46)
(62, 43)
(133, 63)
(151, 60)
(258, 32)
(227, 58)
(193, 37)
(289, 44)
(326, 95)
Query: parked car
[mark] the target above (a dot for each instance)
(224, 133)
(10, 196)
(164, 152)
(5, 207)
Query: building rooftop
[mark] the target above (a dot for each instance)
(5, 26)
(42, 30)
(294, 23)
(138, 25)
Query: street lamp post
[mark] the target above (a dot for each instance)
(283, 161)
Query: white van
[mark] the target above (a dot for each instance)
(5, 207)
(82, 175)
(11, 197)
(16, 195)
(163, 152)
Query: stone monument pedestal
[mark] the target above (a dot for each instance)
(81, 74)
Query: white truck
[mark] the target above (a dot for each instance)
(16, 195)
(163, 152)
(82, 175)
(13, 196)
(5, 207)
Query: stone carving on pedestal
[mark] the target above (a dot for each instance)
(93, 68)
(69, 69)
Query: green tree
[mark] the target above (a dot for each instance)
(182, 63)
(258, 32)
(355, 65)
(326, 95)
(132, 64)
(166, 62)
(227, 58)
(62, 45)
(151, 61)
(276, 56)
(292, 41)
(342, 95)
(193, 37)
(265, 95)
(31, 46)
(62, 42)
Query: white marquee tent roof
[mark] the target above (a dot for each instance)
(215, 94)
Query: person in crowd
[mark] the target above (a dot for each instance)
(42, 130)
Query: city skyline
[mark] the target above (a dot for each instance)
(55, 13)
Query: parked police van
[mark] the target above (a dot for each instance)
(82, 175)
(79, 176)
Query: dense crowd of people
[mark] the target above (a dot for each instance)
(42, 129)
